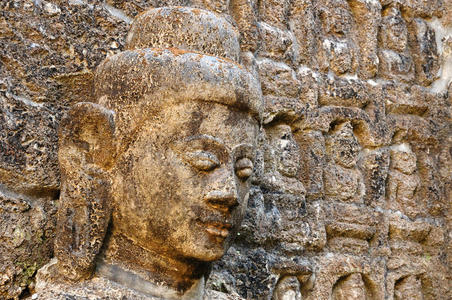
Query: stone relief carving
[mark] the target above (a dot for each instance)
(396, 61)
(336, 210)
(343, 181)
(312, 150)
(277, 41)
(349, 287)
(155, 175)
(408, 288)
(347, 277)
(338, 50)
(287, 288)
(424, 51)
(404, 182)
(282, 185)
(367, 14)
(280, 139)
(351, 229)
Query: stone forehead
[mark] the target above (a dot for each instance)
(185, 28)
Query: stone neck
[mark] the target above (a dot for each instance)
(149, 272)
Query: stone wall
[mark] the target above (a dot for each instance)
(352, 192)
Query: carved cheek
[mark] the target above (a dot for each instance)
(182, 182)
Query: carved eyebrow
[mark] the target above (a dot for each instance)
(241, 150)
(205, 137)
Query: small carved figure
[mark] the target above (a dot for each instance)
(404, 182)
(409, 287)
(282, 162)
(425, 52)
(350, 288)
(288, 288)
(286, 150)
(284, 189)
(302, 23)
(395, 59)
(155, 174)
(343, 181)
(312, 150)
(338, 50)
(367, 16)
(276, 41)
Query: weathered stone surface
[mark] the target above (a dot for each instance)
(395, 59)
(185, 29)
(349, 277)
(337, 50)
(425, 52)
(28, 230)
(350, 196)
(302, 22)
(99, 288)
(29, 144)
(368, 15)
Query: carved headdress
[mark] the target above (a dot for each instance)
(175, 54)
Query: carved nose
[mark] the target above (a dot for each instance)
(224, 198)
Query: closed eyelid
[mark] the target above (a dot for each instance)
(207, 142)
(203, 143)
(202, 160)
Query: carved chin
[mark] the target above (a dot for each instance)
(213, 244)
(213, 255)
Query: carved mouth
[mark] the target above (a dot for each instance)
(217, 229)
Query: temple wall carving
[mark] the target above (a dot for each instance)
(348, 103)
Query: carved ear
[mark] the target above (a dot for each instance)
(85, 155)
(87, 132)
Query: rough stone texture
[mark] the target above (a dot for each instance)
(27, 228)
(352, 192)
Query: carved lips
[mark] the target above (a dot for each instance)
(218, 230)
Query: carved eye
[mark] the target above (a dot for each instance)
(201, 160)
(244, 168)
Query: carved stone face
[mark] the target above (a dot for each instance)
(404, 161)
(282, 140)
(343, 146)
(182, 186)
(350, 288)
